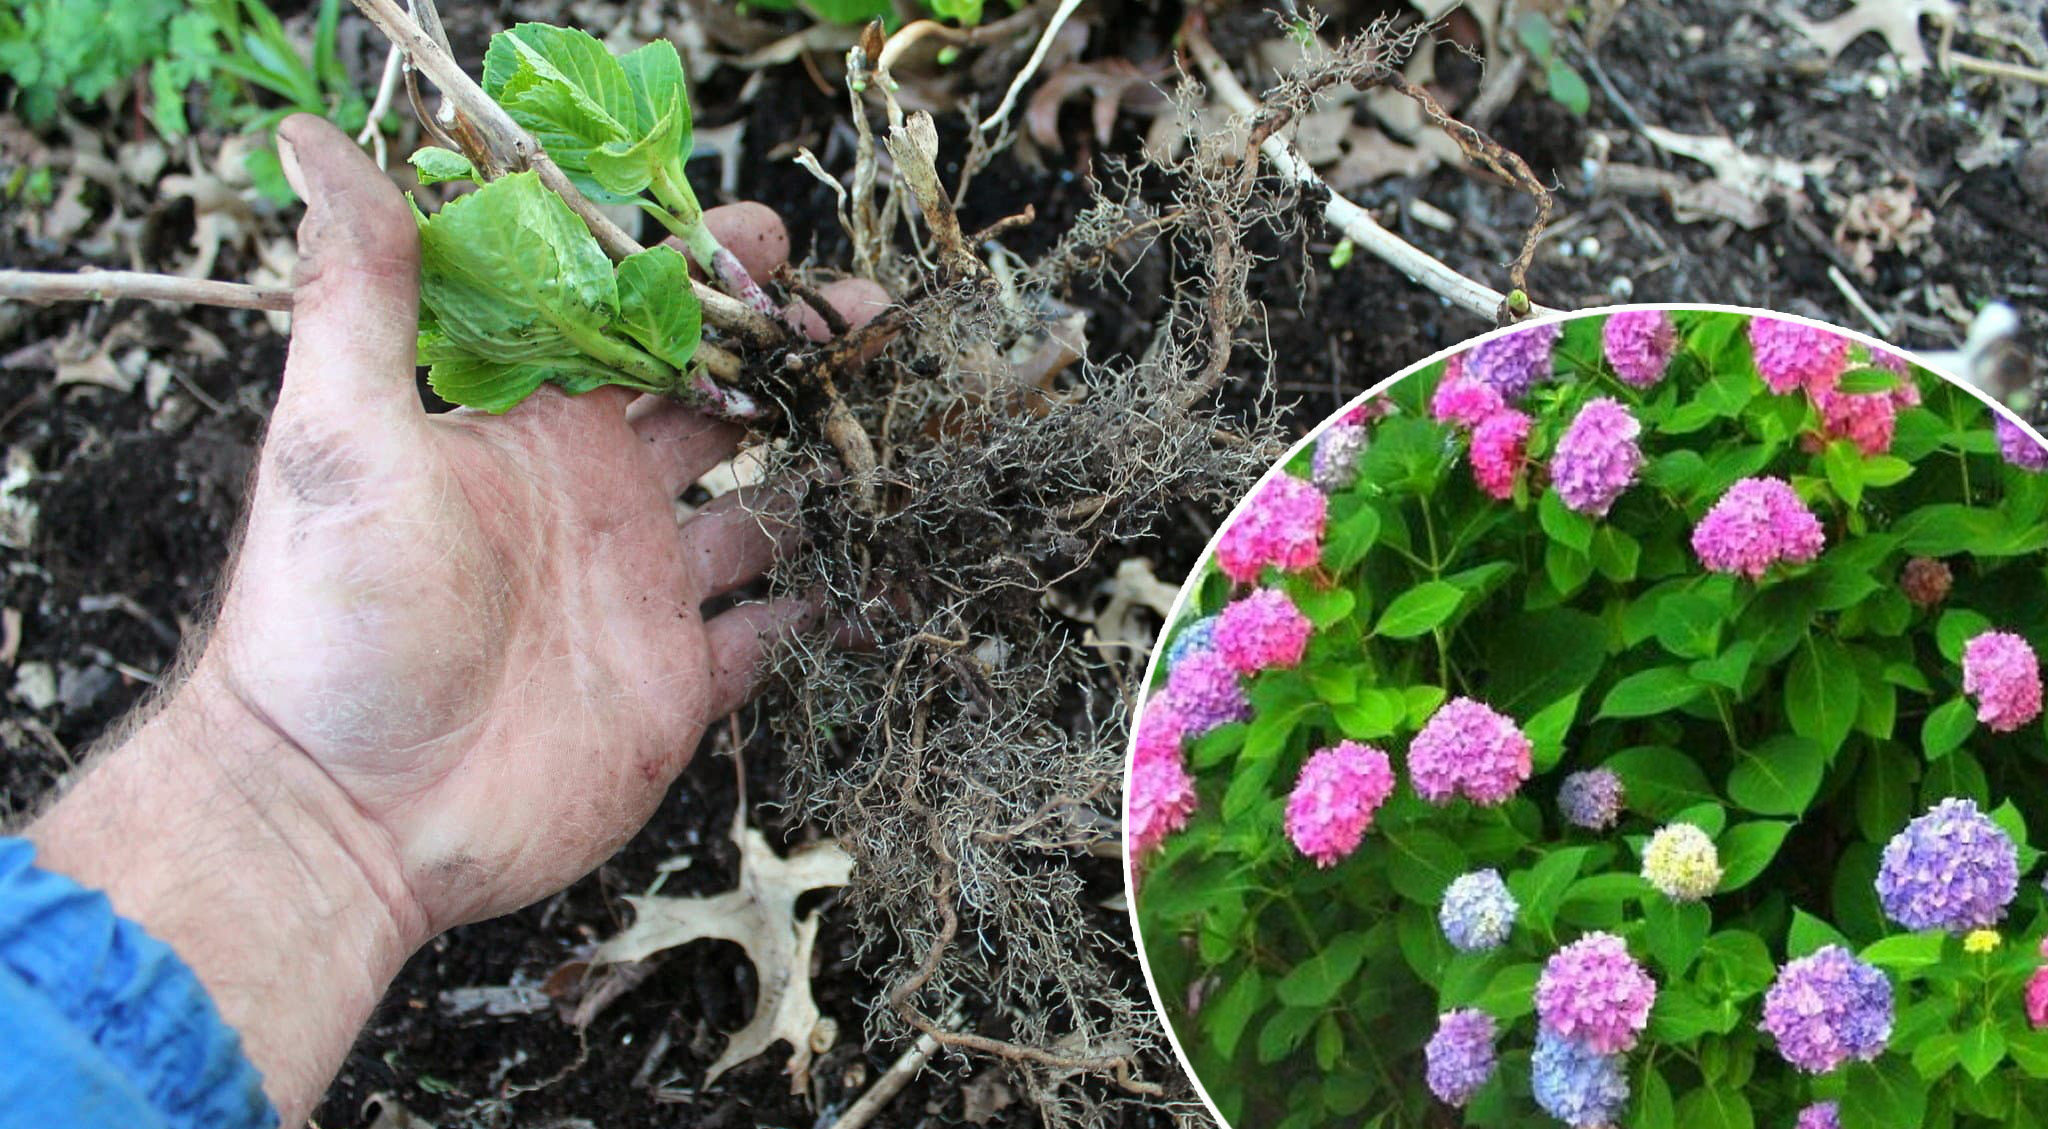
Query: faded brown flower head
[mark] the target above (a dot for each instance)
(1925, 581)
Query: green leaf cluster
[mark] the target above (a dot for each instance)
(1800, 720)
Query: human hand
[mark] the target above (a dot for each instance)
(459, 660)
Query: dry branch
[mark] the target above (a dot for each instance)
(1355, 222)
(111, 285)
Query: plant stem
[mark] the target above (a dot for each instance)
(680, 213)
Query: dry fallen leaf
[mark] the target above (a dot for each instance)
(1744, 175)
(1111, 83)
(760, 917)
(1898, 21)
(1886, 218)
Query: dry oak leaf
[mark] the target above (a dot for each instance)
(760, 917)
(1898, 21)
(1750, 177)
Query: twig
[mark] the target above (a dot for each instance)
(1038, 53)
(884, 1089)
(1492, 154)
(497, 142)
(1355, 222)
(394, 64)
(1998, 69)
(111, 285)
(1879, 324)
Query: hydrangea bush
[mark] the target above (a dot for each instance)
(1635, 721)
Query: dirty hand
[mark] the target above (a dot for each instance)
(459, 660)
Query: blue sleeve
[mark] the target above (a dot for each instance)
(101, 1024)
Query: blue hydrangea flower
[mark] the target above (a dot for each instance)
(1478, 911)
(1197, 636)
(1952, 868)
(1591, 799)
(1579, 1087)
(1460, 1055)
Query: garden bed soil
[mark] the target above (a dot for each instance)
(136, 506)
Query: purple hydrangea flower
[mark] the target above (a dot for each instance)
(2019, 448)
(1513, 362)
(1591, 799)
(2002, 672)
(1575, 1084)
(1597, 457)
(1334, 799)
(1261, 631)
(1338, 449)
(1757, 523)
(1460, 1055)
(1820, 1115)
(1639, 344)
(1207, 692)
(1829, 1008)
(1469, 749)
(1197, 636)
(1952, 869)
(1478, 912)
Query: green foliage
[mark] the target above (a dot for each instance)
(1800, 720)
(56, 51)
(516, 293)
(1567, 87)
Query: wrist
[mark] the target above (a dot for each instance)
(226, 841)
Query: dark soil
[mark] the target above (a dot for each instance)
(136, 516)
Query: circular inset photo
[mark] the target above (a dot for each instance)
(1625, 720)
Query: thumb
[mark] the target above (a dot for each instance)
(355, 304)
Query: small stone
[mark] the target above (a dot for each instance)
(1622, 288)
(80, 688)
(35, 685)
(1589, 247)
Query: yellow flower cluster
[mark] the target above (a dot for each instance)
(1681, 861)
(1981, 940)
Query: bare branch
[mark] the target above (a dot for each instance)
(1355, 222)
(111, 285)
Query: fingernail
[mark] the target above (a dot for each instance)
(288, 158)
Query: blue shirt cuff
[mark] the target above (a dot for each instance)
(102, 1024)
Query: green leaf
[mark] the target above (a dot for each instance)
(1567, 568)
(1616, 554)
(1353, 528)
(566, 88)
(1866, 380)
(1779, 776)
(1981, 1049)
(657, 307)
(1907, 954)
(1730, 668)
(1844, 465)
(1809, 933)
(1511, 994)
(1689, 625)
(1549, 654)
(1747, 849)
(1317, 981)
(1886, 1094)
(516, 291)
(1565, 526)
(1674, 932)
(1540, 890)
(1948, 529)
(848, 12)
(629, 167)
(1284, 1032)
(436, 165)
(1649, 692)
(1947, 726)
(1422, 862)
(1568, 88)
(1884, 793)
(655, 74)
(1419, 610)
(1547, 729)
(1653, 1105)
(1715, 1107)
(1821, 692)
(1225, 1016)
(1660, 781)
(1956, 627)
(1324, 606)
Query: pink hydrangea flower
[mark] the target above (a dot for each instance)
(1262, 631)
(2037, 997)
(1791, 354)
(1282, 525)
(1595, 994)
(1161, 729)
(1162, 798)
(1597, 457)
(1334, 800)
(1639, 345)
(2001, 671)
(1464, 402)
(1757, 523)
(1864, 418)
(1500, 448)
(1469, 749)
